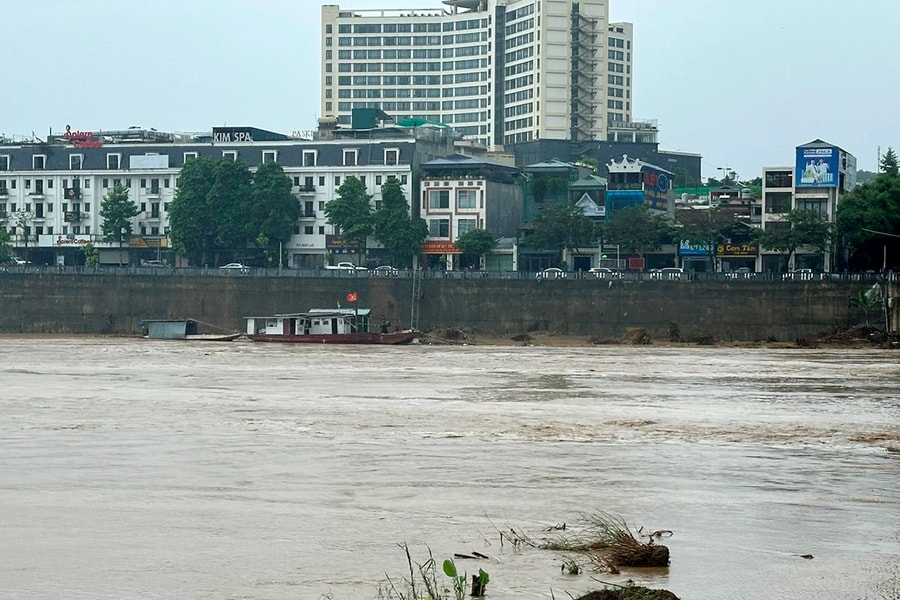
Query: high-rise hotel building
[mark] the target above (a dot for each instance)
(499, 72)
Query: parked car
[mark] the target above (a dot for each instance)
(605, 273)
(154, 263)
(667, 273)
(19, 262)
(798, 274)
(236, 266)
(385, 271)
(551, 273)
(741, 273)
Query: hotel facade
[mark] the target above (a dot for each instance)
(500, 72)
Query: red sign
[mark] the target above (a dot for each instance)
(636, 263)
(81, 139)
(351, 297)
(434, 247)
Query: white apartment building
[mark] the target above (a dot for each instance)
(51, 192)
(499, 72)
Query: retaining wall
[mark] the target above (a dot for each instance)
(104, 303)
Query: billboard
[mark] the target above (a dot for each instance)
(686, 248)
(817, 167)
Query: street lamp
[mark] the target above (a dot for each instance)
(727, 172)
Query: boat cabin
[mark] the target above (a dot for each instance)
(317, 321)
(168, 329)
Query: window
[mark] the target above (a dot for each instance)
(269, 156)
(321, 181)
(38, 161)
(779, 179)
(189, 155)
(321, 230)
(4, 162)
(391, 156)
(309, 158)
(337, 182)
(439, 228)
(350, 158)
(75, 161)
(378, 180)
(105, 183)
(112, 161)
(464, 225)
(778, 202)
(439, 199)
(466, 199)
(229, 155)
(817, 206)
(308, 229)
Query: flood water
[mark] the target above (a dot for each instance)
(149, 469)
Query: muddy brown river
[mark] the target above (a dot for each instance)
(148, 469)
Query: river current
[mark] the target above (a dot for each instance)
(149, 469)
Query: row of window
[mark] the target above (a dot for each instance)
(440, 199)
(440, 228)
(391, 157)
(308, 182)
(514, 28)
(435, 27)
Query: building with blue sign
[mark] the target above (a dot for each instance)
(633, 182)
(821, 175)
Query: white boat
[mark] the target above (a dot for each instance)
(324, 326)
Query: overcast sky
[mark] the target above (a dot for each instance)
(741, 83)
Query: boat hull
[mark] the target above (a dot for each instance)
(398, 337)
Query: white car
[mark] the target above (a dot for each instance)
(236, 266)
(798, 274)
(385, 271)
(551, 273)
(605, 273)
(667, 273)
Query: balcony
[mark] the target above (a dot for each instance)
(307, 189)
(72, 216)
(308, 214)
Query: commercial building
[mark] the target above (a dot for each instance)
(51, 191)
(500, 72)
(820, 176)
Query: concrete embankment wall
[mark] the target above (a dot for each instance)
(732, 311)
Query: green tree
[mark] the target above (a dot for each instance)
(351, 213)
(888, 162)
(394, 228)
(231, 200)
(637, 229)
(274, 211)
(707, 227)
(475, 243)
(800, 228)
(91, 255)
(868, 222)
(192, 221)
(116, 212)
(562, 226)
(6, 249)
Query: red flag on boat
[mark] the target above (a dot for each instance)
(351, 297)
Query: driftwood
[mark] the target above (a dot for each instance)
(608, 544)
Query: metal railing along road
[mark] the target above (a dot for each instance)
(625, 276)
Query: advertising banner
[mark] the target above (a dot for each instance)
(817, 167)
(686, 248)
